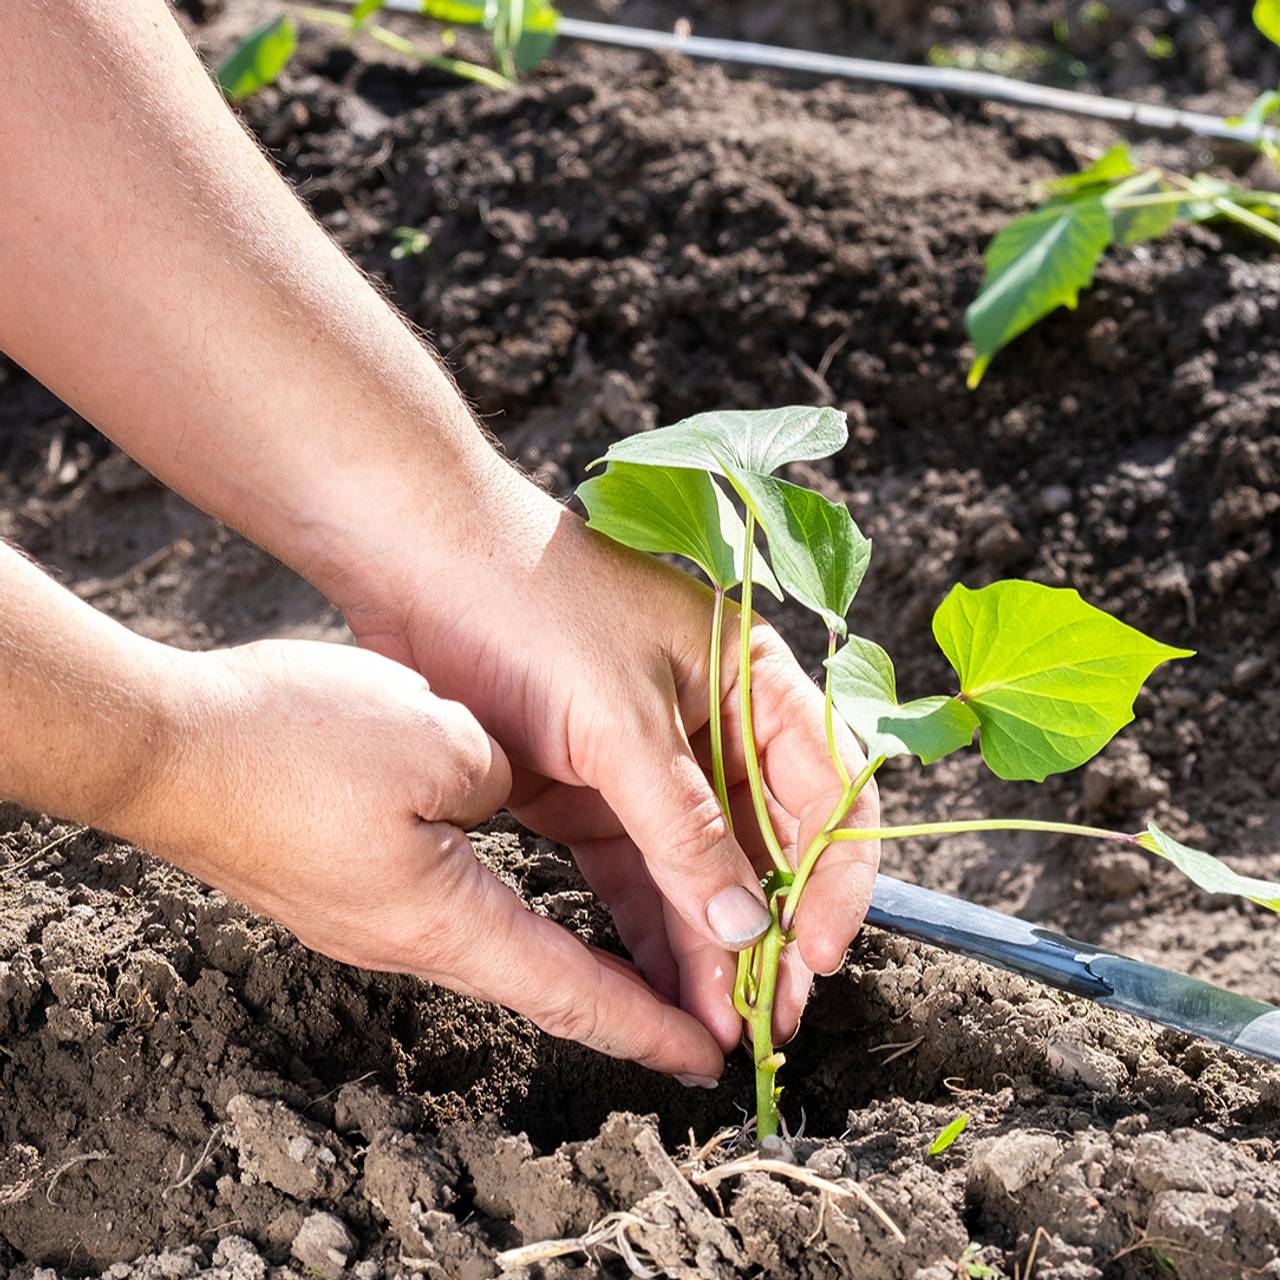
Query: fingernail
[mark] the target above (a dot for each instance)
(737, 916)
(831, 973)
(698, 1082)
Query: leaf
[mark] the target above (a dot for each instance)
(864, 691)
(818, 552)
(460, 12)
(949, 1134)
(756, 440)
(538, 35)
(684, 513)
(1114, 163)
(258, 59)
(1035, 265)
(1266, 17)
(364, 10)
(1142, 222)
(1210, 873)
(1051, 679)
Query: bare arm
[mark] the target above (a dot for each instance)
(163, 280)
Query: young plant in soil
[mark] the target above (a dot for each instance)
(1043, 259)
(1044, 680)
(521, 35)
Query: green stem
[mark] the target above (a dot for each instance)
(1246, 217)
(832, 750)
(979, 824)
(754, 778)
(818, 845)
(717, 728)
(1143, 201)
(383, 35)
(767, 1059)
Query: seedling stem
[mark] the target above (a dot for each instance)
(717, 727)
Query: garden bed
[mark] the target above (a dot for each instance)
(619, 242)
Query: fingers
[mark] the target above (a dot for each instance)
(616, 873)
(799, 772)
(660, 794)
(707, 973)
(488, 944)
(465, 776)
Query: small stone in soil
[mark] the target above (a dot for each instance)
(323, 1244)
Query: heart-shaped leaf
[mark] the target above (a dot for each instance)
(756, 440)
(864, 691)
(666, 509)
(1035, 265)
(818, 552)
(1210, 873)
(1051, 679)
(258, 59)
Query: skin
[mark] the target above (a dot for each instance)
(165, 282)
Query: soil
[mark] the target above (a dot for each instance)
(184, 1091)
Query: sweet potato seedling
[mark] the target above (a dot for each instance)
(521, 34)
(1043, 680)
(1043, 259)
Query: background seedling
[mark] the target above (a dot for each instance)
(1043, 679)
(1043, 259)
(521, 34)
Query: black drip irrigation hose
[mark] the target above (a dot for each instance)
(984, 85)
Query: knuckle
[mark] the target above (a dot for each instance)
(701, 832)
(567, 1018)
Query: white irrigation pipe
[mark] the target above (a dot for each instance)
(974, 84)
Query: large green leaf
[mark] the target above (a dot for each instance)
(864, 691)
(1035, 265)
(259, 58)
(818, 552)
(683, 513)
(1051, 679)
(1113, 164)
(1266, 17)
(757, 440)
(1211, 874)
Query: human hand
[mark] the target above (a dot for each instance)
(330, 789)
(588, 663)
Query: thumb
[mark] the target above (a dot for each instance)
(653, 783)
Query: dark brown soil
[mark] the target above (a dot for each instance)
(617, 243)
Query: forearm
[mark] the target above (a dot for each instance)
(88, 710)
(164, 281)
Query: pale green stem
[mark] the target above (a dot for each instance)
(717, 728)
(754, 778)
(1144, 201)
(818, 845)
(1247, 218)
(767, 1059)
(832, 750)
(979, 824)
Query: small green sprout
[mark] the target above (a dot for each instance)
(971, 1267)
(1043, 680)
(946, 1138)
(411, 242)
